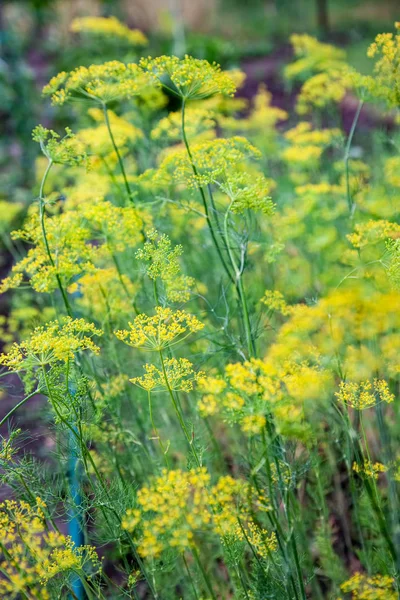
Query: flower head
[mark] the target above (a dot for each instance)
(165, 328)
(108, 28)
(104, 83)
(57, 341)
(178, 375)
(68, 150)
(190, 77)
(364, 394)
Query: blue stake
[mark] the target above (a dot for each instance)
(74, 523)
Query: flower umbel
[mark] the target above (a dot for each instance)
(165, 328)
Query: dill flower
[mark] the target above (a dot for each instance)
(364, 394)
(35, 555)
(163, 262)
(247, 192)
(313, 56)
(174, 507)
(303, 134)
(263, 542)
(200, 122)
(365, 587)
(373, 231)
(104, 83)
(384, 83)
(191, 78)
(68, 150)
(213, 159)
(369, 469)
(178, 375)
(57, 341)
(117, 228)
(67, 237)
(108, 27)
(391, 171)
(253, 424)
(324, 88)
(274, 300)
(165, 328)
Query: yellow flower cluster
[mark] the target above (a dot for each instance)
(364, 587)
(372, 232)
(177, 374)
(178, 505)
(33, 554)
(307, 145)
(163, 263)
(383, 84)
(323, 89)
(213, 159)
(275, 301)
(117, 228)
(200, 125)
(323, 66)
(254, 389)
(165, 328)
(68, 150)
(369, 469)
(355, 326)
(190, 77)
(67, 238)
(247, 192)
(57, 341)
(313, 56)
(104, 83)
(364, 394)
(108, 27)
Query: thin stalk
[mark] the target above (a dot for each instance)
(203, 197)
(347, 154)
(163, 449)
(16, 407)
(119, 157)
(239, 287)
(190, 577)
(45, 240)
(177, 411)
(204, 574)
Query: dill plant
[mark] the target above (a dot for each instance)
(210, 306)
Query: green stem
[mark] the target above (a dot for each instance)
(45, 240)
(347, 154)
(203, 572)
(178, 412)
(117, 152)
(16, 407)
(190, 577)
(239, 287)
(163, 449)
(203, 197)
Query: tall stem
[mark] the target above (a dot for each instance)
(347, 155)
(178, 412)
(46, 242)
(240, 290)
(203, 197)
(117, 152)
